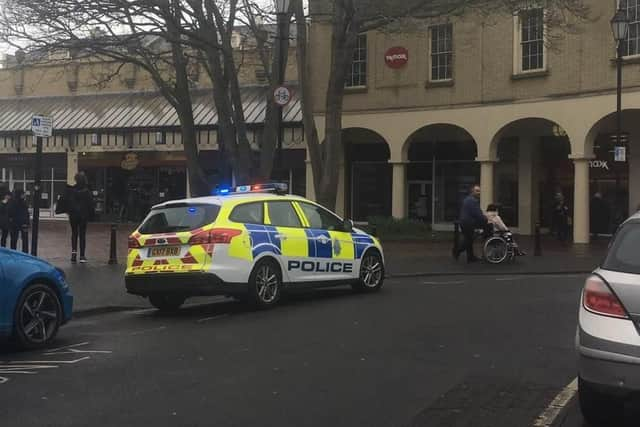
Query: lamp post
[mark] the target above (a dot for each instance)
(620, 30)
(282, 14)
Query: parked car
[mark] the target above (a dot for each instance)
(253, 242)
(35, 299)
(608, 335)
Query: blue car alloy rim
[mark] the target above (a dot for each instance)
(39, 315)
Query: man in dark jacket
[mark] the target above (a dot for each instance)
(77, 202)
(4, 217)
(18, 218)
(471, 218)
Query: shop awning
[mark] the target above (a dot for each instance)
(132, 110)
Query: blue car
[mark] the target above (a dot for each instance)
(35, 299)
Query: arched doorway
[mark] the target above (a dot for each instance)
(614, 182)
(368, 174)
(440, 170)
(533, 173)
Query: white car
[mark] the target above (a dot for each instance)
(254, 243)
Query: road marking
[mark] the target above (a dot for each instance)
(206, 319)
(508, 279)
(144, 331)
(549, 415)
(32, 367)
(444, 283)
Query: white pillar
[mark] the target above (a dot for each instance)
(310, 189)
(399, 191)
(72, 166)
(581, 201)
(525, 186)
(486, 183)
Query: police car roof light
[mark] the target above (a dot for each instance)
(274, 187)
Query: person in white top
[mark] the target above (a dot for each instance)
(493, 217)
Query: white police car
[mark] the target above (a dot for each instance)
(254, 242)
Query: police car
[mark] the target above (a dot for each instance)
(251, 242)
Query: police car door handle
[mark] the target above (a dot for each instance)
(281, 236)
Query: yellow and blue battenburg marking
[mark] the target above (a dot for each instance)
(320, 244)
(264, 238)
(361, 242)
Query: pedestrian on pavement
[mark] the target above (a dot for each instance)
(78, 204)
(471, 219)
(600, 215)
(18, 218)
(561, 214)
(4, 218)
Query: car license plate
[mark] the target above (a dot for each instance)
(164, 251)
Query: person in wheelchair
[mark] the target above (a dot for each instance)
(493, 217)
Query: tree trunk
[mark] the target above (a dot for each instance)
(272, 123)
(341, 53)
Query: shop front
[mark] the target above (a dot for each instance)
(126, 185)
(17, 173)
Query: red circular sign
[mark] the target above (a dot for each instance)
(396, 57)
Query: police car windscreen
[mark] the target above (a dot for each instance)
(177, 218)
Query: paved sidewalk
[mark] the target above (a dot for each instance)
(98, 286)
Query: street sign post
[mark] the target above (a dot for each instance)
(42, 127)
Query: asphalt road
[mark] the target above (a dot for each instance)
(485, 351)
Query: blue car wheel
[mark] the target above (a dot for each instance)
(37, 317)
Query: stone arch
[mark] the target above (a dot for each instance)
(437, 132)
(539, 126)
(368, 174)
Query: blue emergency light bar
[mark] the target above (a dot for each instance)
(273, 187)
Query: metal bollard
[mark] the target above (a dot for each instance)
(456, 236)
(24, 235)
(537, 251)
(113, 257)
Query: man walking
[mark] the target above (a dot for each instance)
(471, 218)
(77, 202)
(18, 218)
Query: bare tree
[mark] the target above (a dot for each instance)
(348, 19)
(192, 32)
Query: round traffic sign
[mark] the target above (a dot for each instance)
(282, 96)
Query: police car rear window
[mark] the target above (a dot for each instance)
(177, 218)
(624, 253)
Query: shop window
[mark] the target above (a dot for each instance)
(631, 46)
(530, 50)
(441, 52)
(96, 139)
(161, 138)
(357, 74)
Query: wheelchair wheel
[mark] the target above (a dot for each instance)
(496, 250)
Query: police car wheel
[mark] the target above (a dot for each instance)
(265, 284)
(167, 303)
(371, 273)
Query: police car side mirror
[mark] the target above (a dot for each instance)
(347, 226)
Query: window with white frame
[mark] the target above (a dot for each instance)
(441, 52)
(357, 74)
(531, 55)
(631, 46)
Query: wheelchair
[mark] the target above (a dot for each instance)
(500, 247)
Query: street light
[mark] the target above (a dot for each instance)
(282, 13)
(620, 30)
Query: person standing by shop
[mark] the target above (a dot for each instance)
(561, 215)
(18, 218)
(600, 216)
(4, 218)
(471, 219)
(78, 204)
